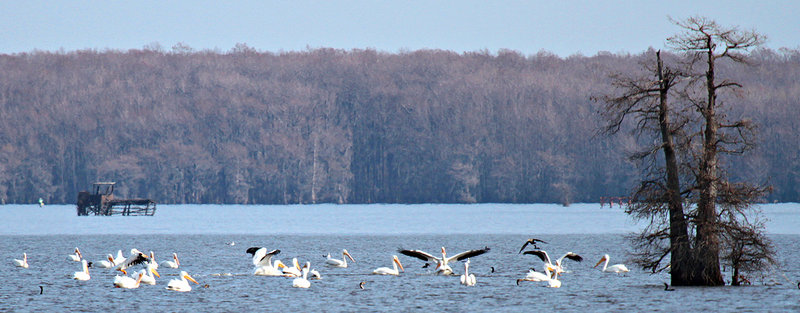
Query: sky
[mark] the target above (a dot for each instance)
(561, 27)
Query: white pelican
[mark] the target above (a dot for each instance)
(557, 267)
(339, 263)
(148, 272)
(84, 273)
(302, 282)
(127, 282)
(616, 268)
(263, 261)
(532, 241)
(467, 279)
(152, 261)
(390, 271)
(22, 263)
(77, 257)
(441, 263)
(175, 263)
(107, 263)
(119, 258)
(550, 278)
(136, 257)
(181, 284)
(315, 274)
(292, 271)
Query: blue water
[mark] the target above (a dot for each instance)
(372, 233)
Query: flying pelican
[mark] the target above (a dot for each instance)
(532, 241)
(557, 267)
(148, 272)
(175, 263)
(441, 263)
(127, 282)
(84, 273)
(263, 261)
(22, 263)
(107, 263)
(467, 279)
(302, 282)
(181, 284)
(390, 271)
(136, 257)
(616, 268)
(75, 257)
(339, 263)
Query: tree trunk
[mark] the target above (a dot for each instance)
(707, 240)
(680, 254)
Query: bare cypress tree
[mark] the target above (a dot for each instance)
(721, 215)
(706, 43)
(645, 100)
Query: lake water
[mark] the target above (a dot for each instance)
(372, 234)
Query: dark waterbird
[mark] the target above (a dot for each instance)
(533, 242)
(666, 287)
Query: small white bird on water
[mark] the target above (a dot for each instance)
(84, 273)
(468, 279)
(22, 263)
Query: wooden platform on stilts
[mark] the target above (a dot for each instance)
(101, 202)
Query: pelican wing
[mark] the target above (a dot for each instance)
(572, 256)
(468, 254)
(541, 254)
(131, 261)
(263, 258)
(252, 250)
(422, 255)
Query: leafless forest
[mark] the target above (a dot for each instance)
(359, 126)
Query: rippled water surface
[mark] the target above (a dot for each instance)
(372, 234)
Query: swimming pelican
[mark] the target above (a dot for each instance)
(533, 275)
(107, 263)
(181, 284)
(441, 263)
(84, 273)
(77, 257)
(616, 268)
(148, 272)
(390, 271)
(302, 282)
(292, 271)
(263, 261)
(339, 263)
(127, 282)
(175, 263)
(557, 267)
(152, 260)
(532, 241)
(22, 263)
(315, 274)
(467, 279)
(136, 257)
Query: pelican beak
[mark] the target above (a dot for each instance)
(192, 279)
(123, 271)
(400, 265)
(601, 261)
(153, 270)
(349, 256)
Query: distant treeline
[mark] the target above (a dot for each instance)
(357, 126)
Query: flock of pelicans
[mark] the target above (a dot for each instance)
(265, 266)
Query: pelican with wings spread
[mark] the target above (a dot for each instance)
(442, 267)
